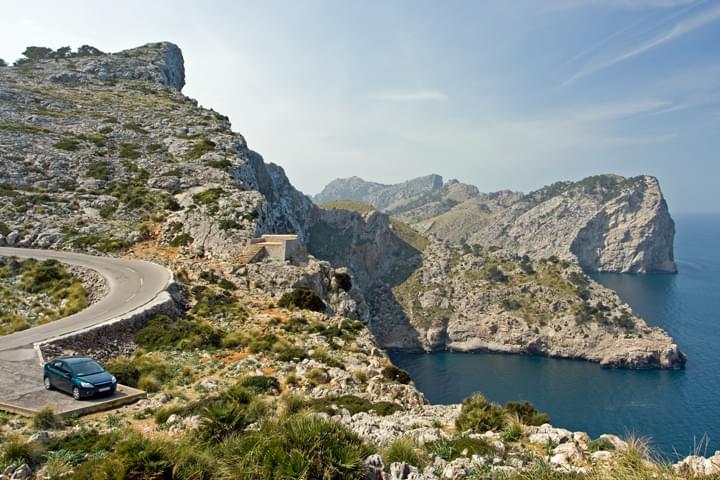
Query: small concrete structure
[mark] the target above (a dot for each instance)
(279, 247)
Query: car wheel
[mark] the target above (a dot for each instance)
(76, 393)
(48, 383)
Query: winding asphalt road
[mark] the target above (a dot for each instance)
(131, 284)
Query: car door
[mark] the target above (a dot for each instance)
(63, 377)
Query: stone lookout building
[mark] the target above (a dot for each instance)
(279, 247)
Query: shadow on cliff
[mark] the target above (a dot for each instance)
(378, 258)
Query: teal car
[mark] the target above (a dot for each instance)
(82, 377)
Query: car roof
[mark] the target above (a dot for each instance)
(72, 360)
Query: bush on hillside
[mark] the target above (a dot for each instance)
(395, 374)
(479, 416)
(302, 298)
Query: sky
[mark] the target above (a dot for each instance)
(506, 94)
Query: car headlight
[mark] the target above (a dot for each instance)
(114, 380)
(86, 385)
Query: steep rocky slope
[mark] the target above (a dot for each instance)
(101, 151)
(604, 223)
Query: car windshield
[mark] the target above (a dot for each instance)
(86, 368)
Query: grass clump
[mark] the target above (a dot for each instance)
(297, 446)
(47, 419)
(16, 451)
(129, 151)
(404, 450)
(126, 372)
(68, 144)
(302, 298)
(258, 384)
(200, 148)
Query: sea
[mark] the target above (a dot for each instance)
(677, 411)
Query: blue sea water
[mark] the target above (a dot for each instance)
(676, 410)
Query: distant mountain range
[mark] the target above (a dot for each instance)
(604, 222)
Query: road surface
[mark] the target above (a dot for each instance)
(131, 284)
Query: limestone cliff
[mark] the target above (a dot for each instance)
(604, 223)
(102, 151)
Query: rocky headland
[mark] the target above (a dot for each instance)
(272, 371)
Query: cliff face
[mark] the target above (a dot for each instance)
(603, 223)
(476, 299)
(101, 152)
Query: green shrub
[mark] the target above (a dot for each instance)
(219, 164)
(4, 229)
(479, 415)
(403, 450)
(69, 144)
(149, 383)
(124, 370)
(47, 419)
(302, 298)
(164, 333)
(600, 444)
(200, 148)
(100, 170)
(15, 450)
(129, 151)
(297, 446)
(258, 384)
(495, 275)
(395, 374)
(343, 281)
(318, 376)
(208, 197)
(263, 343)
(527, 413)
(183, 240)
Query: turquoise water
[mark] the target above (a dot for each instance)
(675, 409)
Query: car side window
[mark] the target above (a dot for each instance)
(57, 365)
(63, 368)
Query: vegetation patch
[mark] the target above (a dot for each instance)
(69, 144)
(164, 333)
(34, 292)
(302, 298)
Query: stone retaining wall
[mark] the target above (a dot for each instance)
(114, 337)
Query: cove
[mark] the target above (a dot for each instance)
(673, 409)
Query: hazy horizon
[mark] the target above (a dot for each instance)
(496, 94)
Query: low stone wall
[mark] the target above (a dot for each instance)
(114, 337)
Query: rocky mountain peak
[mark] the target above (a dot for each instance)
(160, 62)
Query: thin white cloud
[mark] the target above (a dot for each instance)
(621, 4)
(680, 29)
(414, 96)
(618, 110)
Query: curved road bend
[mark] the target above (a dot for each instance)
(131, 284)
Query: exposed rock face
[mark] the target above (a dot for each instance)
(604, 223)
(376, 194)
(480, 300)
(101, 152)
